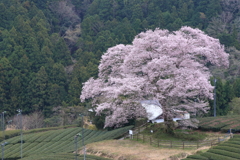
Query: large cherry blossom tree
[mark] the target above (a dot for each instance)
(169, 67)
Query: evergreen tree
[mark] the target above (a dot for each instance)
(61, 53)
(58, 75)
(236, 87)
(183, 11)
(2, 91)
(7, 45)
(56, 95)
(4, 21)
(15, 93)
(5, 79)
(74, 90)
(38, 90)
(15, 57)
(137, 12)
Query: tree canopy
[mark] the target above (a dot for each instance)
(169, 67)
(50, 37)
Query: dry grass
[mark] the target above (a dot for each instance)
(131, 150)
(10, 127)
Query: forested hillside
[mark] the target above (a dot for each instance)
(48, 48)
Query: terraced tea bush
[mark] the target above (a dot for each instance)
(197, 157)
(56, 141)
(63, 156)
(221, 123)
(214, 156)
(224, 151)
(9, 134)
(227, 148)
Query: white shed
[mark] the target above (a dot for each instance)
(154, 111)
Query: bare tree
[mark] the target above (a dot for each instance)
(72, 34)
(220, 24)
(32, 121)
(230, 5)
(66, 13)
(227, 21)
(64, 115)
(35, 120)
(216, 26)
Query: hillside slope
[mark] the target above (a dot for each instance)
(56, 142)
(226, 151)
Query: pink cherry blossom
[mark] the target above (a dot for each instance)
(169, 67)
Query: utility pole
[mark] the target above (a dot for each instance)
(2, 145)
(214, 112)
(76, 145)
(20, 114)
(81, 115)
(3, 126)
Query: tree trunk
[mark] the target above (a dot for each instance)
(168, 119)
(169, 124)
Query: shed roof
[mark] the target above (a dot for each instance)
(153, 108)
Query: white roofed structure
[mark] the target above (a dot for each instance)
(153, 109)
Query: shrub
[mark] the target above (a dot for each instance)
(197, 157)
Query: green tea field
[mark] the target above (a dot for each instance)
(62, 156)
(225, 151)
(221, 123)
(54, 144)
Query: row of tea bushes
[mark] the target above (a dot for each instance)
(63, 156)
(12, 133)
(221, 123)
(225, 151)
(56, 141)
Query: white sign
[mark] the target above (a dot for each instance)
(130, 132)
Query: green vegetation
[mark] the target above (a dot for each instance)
(13, 133)
(9, 134)
(48, 48)
(179, 134)
(224, 151)
(56, 142)
(63, 156)
(220, 123)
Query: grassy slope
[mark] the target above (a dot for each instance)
(137, 150)
(132, 150)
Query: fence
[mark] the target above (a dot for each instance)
(179, 144)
